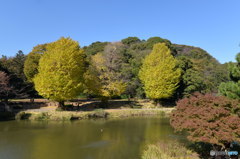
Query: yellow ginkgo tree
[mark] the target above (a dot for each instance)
(159, 74)
(60, 72)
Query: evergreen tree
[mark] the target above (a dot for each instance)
(32, 61)
(15, 64)
(191, 79)
(95, 48)
(231, 89)
(130, 40)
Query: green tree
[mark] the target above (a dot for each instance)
(130, 40)
(133, 54)
(95, 48)
(61, 70)
(15, 64)
(154, 40)
(205, 68)
(231, 89)
(32, 61)
(159, 74)
(191, 79)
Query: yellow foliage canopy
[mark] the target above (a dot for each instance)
(159, 74)
(61, 70)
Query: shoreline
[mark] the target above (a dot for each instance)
(94, 114)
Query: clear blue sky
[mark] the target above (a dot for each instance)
(213, 25)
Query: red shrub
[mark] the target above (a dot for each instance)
(208, 118)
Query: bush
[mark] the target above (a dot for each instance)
(22, 116)
(41, 116)
(61, 116)
(171, 150)
(98, 113)
(207, 118)
(59, 109)
(124, 96)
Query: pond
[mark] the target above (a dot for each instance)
(89, 139)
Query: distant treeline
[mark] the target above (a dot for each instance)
(105, 69)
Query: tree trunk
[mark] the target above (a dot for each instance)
(32, 100)
(7, 107)
(61, 104)
(157, 102)
(6, 100)
(104, 102)
(129, 97)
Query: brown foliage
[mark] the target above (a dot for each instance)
(208, 118)
(4, 85)
(9, 87)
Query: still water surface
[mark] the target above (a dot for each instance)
(90, 139)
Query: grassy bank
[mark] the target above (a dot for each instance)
(168, 150)
(98, 113)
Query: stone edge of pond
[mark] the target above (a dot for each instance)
(95, 114)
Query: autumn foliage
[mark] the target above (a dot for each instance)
(159, 74)
(208, 118)
(60, 71)
(5, 89)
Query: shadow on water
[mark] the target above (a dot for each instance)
(97, 144)
(8, 110)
